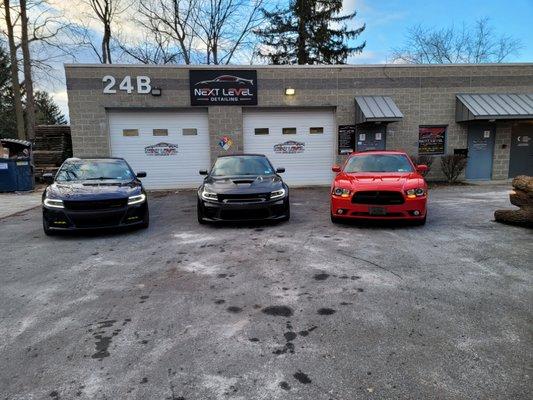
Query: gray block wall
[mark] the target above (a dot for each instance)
(424, 94)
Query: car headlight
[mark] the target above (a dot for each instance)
(137, 199)
(277, 194)
(414, 193)
(53, 203)
(209, 195)
(341, 192)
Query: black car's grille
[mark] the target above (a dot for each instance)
(244, 214)
(112, 204)
(96, 222)
(243, 198)
(378, 197)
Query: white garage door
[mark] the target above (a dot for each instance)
(170, 146)
(301, 141)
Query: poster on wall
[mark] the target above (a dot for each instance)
(162, 149)
(431, 140)
(223, 87)
(289, 147)
(346, 144)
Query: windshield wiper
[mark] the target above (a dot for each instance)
(101, 178)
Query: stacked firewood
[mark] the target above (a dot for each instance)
(52, 145)
(522, 197)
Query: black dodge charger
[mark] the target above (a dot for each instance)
(243, 188)
(94, 193)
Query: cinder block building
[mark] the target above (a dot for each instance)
(171, 121)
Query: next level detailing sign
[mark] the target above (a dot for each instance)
(431, 140)
(223, 87)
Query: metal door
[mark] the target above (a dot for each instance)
(480, 151)
(370, 138)
(521, 161)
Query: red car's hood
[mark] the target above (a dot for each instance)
(379, 181)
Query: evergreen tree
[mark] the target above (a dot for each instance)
(46, 110)
(8, 122)
(309, 32)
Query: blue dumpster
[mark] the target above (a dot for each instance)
(16, 171)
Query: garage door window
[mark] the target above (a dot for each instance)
(316, 130)
(130, 132)
(160, 132)
(190, 131)
(289, 131)
(261, 131)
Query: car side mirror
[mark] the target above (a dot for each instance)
(48, 178)
(336, 168)
(280, 170)
(422, 168)
(141, 174)
(203, 172)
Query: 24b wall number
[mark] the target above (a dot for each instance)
(142, 84)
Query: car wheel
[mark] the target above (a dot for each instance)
(146, 220)
(335, 220)
(47, 230)
(422, 221)
(200, 213)
(287, 213)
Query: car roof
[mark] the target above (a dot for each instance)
(355, 153)
(242, 155)
(94, 159)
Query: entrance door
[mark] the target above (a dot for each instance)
(370, 137)
(480, 151)
(521, 161)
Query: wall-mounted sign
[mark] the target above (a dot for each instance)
(161, 149)
(346, 140)
(431, 140)
(3, 165)
(225, 142)
(141, 86)
(223, 87)
(378, 136)
(289, 147)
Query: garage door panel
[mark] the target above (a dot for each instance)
(312, 166)
(178, 170)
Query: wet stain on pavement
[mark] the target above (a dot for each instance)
(326, 311)
(321, 277)
(220, 301)
(284, 385)
(289, 336)
(234, 309)
(307, 331)
(278, 311)
(104, 339)
(302, 378)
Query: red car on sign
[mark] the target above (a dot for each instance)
(382, 185)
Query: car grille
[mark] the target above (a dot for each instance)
(96, 222)
(243, 198)
(378, 197)
(244, 214)
(112, 204)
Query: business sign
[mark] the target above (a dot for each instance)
(289, 147)
(223, 87)
(346, 144)
(431, 140)
(161, 149)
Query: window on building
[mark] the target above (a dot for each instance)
(160, 132)
(190, 131)
(289, 131)
(432, 140)
(316, 130)
(261, 131)
(130, 132)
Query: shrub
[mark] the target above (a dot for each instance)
(452, 166)
(423, 159)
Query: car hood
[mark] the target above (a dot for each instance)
(93, 190)
(243, 184)
(381, 181)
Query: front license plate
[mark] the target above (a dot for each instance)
(377, 210)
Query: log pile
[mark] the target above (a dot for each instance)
(52, 145)
(522, 197)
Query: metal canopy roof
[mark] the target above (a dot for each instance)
(471, 107)
(376, 109)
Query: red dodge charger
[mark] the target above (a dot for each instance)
(379, 185)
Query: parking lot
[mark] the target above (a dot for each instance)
(299, 310)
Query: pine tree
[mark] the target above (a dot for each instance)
(47, 111)
(8, 122)
(309, 32)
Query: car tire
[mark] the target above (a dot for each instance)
(335, 220)
(146, 220)
(422, 221)
(200, 213)
(47, 230)
(287, 212)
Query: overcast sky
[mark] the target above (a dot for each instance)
(386, 21)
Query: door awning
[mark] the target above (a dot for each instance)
(376, 109)
(474, 107)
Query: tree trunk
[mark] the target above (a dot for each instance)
(302, 35)
(19, 113)
(28, 80)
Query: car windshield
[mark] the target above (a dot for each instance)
(378, 163)
(82, 170)
(242, 165)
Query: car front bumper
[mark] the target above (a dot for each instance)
(68, 220)
(411, 209)
(248, 211)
